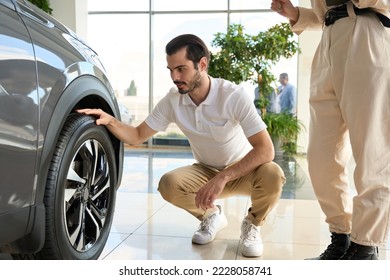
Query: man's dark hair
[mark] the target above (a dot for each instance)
(196, 48)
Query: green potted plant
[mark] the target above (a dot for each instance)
(42, 4)
(284, 130)
(242, 57)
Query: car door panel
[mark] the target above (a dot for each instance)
(19, 109)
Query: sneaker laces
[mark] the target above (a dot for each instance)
(205, 224)
(250, 232)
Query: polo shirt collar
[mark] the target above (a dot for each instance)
(210, 97)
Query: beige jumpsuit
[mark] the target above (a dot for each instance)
(350, 112)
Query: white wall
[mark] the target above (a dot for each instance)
(73, 14)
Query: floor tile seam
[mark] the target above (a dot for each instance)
(148, 218)
(161, 235)
(140, 224)
(182, 236)
(237, 253)
(276, 215)
(117, 246)
(143, 222)
(294, 243)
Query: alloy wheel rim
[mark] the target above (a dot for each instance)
(87, 195)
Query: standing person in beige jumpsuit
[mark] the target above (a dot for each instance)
(350, 115)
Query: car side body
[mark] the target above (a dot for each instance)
(46, 73)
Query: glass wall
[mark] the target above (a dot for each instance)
(130, 37)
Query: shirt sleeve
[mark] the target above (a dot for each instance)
(160, 117)
(308, 20)
(246, 114)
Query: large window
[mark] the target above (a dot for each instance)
(130, 37)
(123, 45)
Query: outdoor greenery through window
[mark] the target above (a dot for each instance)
(130, 38)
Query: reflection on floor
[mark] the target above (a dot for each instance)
(145, 227)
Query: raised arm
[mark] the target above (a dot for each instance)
(286, 8)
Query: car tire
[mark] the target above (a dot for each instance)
(80, 192)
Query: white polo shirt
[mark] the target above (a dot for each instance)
(218, 128)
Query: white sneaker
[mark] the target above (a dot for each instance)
(251, 243)
(209, 227)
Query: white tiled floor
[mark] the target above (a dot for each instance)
(146, 227)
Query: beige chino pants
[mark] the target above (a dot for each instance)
(263, 185)
(350, 112)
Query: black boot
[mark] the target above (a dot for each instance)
(337, 248)
(361, 252)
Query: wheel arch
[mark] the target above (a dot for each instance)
(84, 92)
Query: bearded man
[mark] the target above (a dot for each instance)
(229, 140)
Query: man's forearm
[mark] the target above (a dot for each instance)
(123, 132)
(252, 160)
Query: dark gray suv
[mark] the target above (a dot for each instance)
(59, 172)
